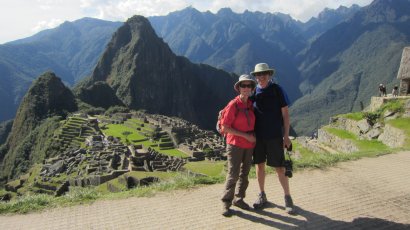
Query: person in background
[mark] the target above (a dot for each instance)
(272, 132)
(395, 91)
(238, 124)
(382, 90)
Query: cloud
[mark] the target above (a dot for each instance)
(42, 25)
(123, 9)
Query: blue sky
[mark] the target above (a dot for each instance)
(23, 18)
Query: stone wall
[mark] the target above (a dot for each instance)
(377, 102)
(392, 137)
(306, 142)
(335, 142)
(363, 129)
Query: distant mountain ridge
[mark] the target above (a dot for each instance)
(235, 42)
(70, 50)
(327, 19)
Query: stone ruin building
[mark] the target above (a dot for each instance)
(404, 72)
(198, 143)
(106, 159)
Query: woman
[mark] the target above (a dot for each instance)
(237, 123)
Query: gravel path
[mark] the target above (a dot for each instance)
(371, 193)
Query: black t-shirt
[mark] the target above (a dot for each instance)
(268, 104)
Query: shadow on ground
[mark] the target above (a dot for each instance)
(315, 221)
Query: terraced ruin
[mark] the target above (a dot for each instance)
(95, 151)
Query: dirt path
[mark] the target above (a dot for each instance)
(372, 193)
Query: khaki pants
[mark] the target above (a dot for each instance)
(239, 164)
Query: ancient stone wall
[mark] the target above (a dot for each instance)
(335, 142)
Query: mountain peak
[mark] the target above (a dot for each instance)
(225, 12)
(143, 73)
(386, 11)
(136, 39)
(46, 97)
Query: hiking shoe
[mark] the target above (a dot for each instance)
(261, 201)
(241, 204)
(226, 211)
(289, 207)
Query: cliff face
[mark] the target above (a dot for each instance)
(145, 74)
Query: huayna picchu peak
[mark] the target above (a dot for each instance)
(145, 74)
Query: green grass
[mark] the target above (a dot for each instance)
(394, 106)
(311, 159)
(209, 168)
(353, 116)
(27, 203)
(117, 130)
(78, 195)
(363, 145)
(172, 152)
(341, 133)
(163, 176)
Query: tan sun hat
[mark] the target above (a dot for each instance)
(242, 78)
(262, 67)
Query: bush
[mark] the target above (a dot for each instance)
(372, 117)
(116, 109)
(394, 106)
(94, 111)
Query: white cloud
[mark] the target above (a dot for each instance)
(42, 25)
(20, 18)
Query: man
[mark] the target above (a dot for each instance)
(272, 132)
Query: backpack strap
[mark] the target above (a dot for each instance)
(246, 111)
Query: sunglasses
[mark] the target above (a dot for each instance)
(246, 86)
(262, 74)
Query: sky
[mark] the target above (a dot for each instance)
(23, 18)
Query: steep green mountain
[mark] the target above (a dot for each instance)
(46, 100)
(341, 69)
(235, 42)
(70, 50)
(144, 73)
(5, 128)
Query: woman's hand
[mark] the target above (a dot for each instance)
(250, 138)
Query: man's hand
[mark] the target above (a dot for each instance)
(286, 142)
